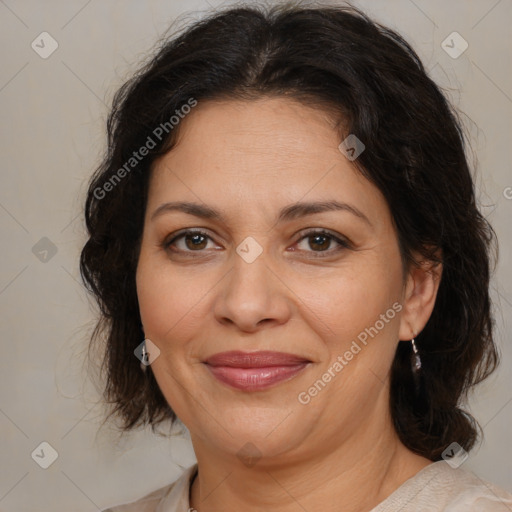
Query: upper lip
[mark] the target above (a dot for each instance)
(262, 359)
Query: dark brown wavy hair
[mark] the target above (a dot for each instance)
(339, 60)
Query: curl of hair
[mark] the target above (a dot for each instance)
(337, 59)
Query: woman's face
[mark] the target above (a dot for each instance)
(260, 279)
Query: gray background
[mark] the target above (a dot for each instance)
(52, 137)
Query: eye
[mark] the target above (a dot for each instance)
(188, 241)
(320, 241)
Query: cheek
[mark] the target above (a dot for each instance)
(342, 304)
(171, 305)
(357, 320)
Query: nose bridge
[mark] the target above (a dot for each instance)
(252, 292)
(251, 267)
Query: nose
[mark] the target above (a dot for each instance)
(252, 296)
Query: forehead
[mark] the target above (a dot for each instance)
(260, 152)
(275, 128)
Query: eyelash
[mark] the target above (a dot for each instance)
(343, 244)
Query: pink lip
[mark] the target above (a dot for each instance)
(252, 371)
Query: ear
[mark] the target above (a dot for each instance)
(419, 298)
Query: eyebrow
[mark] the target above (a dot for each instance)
(290, 212)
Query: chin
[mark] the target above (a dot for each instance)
(259, 435)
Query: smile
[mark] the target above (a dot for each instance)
(254, 371)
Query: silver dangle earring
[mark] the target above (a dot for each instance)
(417, 374)
(145, 357)
(144, 352)
(416, 360)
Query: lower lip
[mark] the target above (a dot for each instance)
(255, 379)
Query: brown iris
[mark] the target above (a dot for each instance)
(198, 241)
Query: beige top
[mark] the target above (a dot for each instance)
(437, 487)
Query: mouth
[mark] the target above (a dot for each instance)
(254, 371)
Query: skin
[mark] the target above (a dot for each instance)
(249, 159)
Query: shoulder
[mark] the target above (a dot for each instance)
(439, 487)
(174, 494)
(147, 503)
(474, 494)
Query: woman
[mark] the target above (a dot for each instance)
(287, 219)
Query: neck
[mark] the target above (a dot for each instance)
(353, 475)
